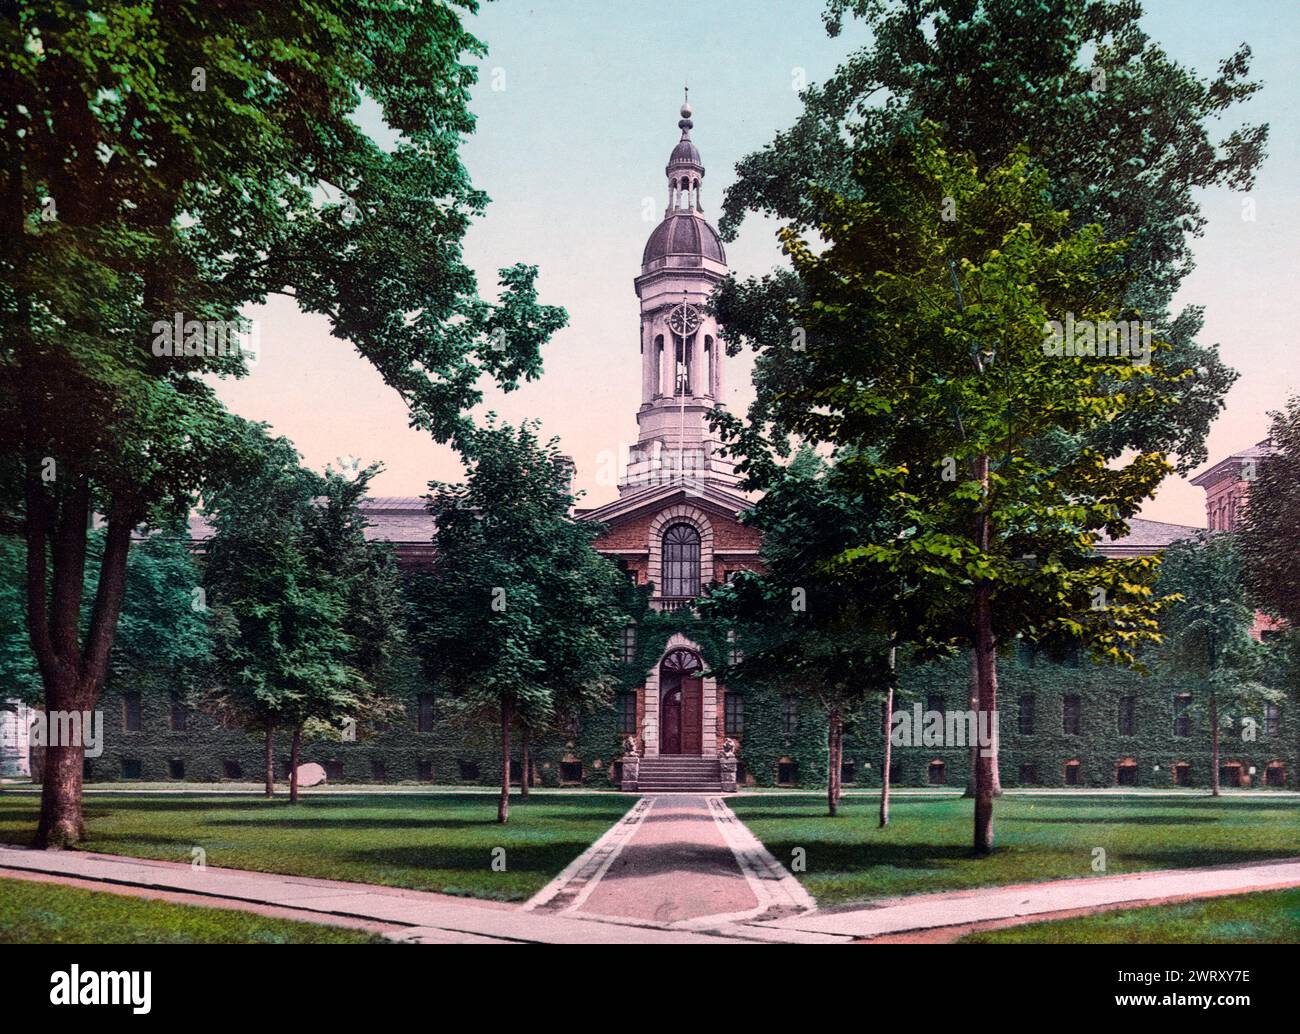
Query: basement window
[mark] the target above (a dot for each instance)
(1073, 771)
(131, 768)
(176, 768)
(424, 771)
(378, 770)
(571, 771)
(333, 770)
(231, 769)
(1028, 775)
(1182, 774)
(937, 774)
(468, 771)
(786, 773)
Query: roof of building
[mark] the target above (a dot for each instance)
(1231, 465)
(1145, 537)
(684, 232)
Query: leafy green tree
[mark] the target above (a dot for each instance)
(519, 618)
(1269, 532)
(164, 168)
(793, 625)
(1206, 632)
(1123, 131)
(927, 362)
(306, 611)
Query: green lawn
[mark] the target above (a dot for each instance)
(440, 842)
(1269, 917)
(927, 844)
(45, 913)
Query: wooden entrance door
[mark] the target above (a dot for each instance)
(692, 716)
(670, 721)
(681, 703)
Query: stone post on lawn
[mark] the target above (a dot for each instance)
(631, 764)
(727, 763)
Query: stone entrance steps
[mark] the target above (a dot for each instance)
(679, 773)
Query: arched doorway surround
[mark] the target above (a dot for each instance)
(670, 675)
(681, 703)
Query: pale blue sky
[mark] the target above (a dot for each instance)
(577, 139)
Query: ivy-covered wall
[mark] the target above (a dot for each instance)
(451, 754)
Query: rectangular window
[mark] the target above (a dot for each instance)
(570, 771)
(232, 770)
(1027, 715)
(1072, 774)
(1272, 720)
(848, 771)
(1183, 714)
(785, 773)
(789, 714)
(627, 714)
(1182, 775)
(131, 712)
(934, 702)
(937, 776)
(1127, 710)
(424, 771)
(895, 772)
(378, 771)
(131, 768)
(468, 770)
(1275, 775)
(1126, 775)
(176, 768)
(629, 643)
(179, 714)
(424, 723)
(735, 714)
(1071, 709)
(334, 770)
(1028, 775)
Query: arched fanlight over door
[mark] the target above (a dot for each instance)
(681, 560)
(682, 662)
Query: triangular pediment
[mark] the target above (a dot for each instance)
(649, 500)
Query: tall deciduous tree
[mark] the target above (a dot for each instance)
(1207, 638)
(794, 626)
(519, 618)
(1124, 132)
(305, 611)
(963, 429)
(165, 167)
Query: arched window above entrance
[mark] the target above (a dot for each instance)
(681, 561)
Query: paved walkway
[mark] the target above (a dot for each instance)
(984, 904)
(676, 869)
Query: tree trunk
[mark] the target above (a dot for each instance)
(72, 667)
(974, 705)
(61, 821)
(295, 751)
(1214, 744)
(889, 752)
(503, 807)
(986, 660)
(834, 729)
(525, 762)
(270, 761)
